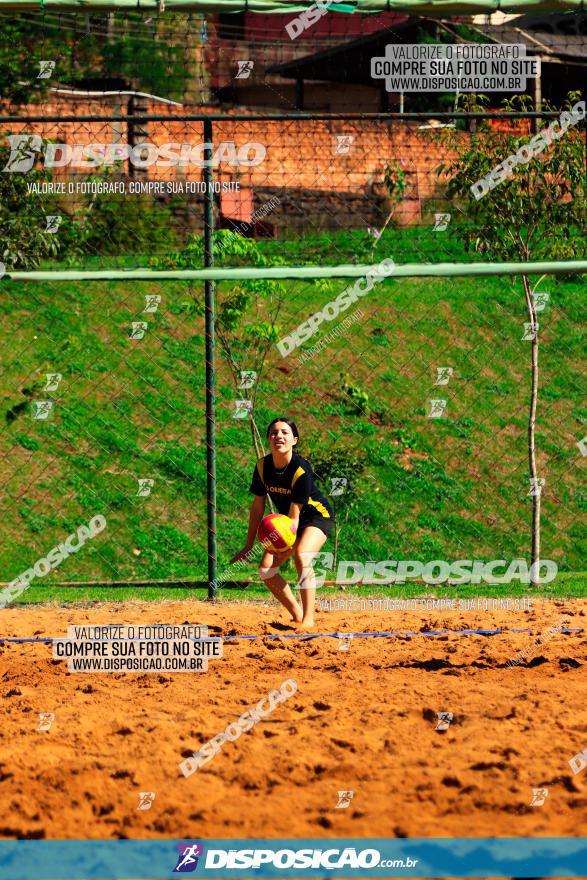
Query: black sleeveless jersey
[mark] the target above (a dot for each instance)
(295, 484)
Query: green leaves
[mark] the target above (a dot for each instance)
(24, 241)
(542, 201)
(335, 463)
(357, 399)
(153, 62)
(394, 180)
(264, 333)
(115, 224)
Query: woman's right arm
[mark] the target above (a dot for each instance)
(255, 516)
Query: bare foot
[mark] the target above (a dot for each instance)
(296, 619)
(306, 626)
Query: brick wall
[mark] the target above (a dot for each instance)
(316, 184)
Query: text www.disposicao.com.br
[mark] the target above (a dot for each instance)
(135, 664)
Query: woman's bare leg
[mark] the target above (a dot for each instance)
(310, 543)
(276, 583)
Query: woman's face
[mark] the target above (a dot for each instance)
(281, 438)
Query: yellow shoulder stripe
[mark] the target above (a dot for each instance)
(299, 473)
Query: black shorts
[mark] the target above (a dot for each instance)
(320, 522)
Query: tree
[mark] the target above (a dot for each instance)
(394, 182)
(540, 203)
(247, 313)
(25, 44)
(340, 467)
(24, 240)
(159, 59)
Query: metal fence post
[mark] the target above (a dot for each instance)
(209, 295)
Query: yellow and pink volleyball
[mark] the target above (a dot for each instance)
(276, 532)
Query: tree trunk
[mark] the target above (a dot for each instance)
(256, 437)
(259, 451)
(537, 491)
(336, 531)
(385, 225)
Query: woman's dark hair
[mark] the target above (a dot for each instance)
(292, 425)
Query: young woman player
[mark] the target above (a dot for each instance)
(288, 479)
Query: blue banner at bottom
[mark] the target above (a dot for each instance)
(319, 858)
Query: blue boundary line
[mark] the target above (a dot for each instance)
(305, 636)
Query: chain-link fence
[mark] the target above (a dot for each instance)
(321, 189)
(412, 391)
(412, 407)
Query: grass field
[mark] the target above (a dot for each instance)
(566, 585)
(448, 488)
